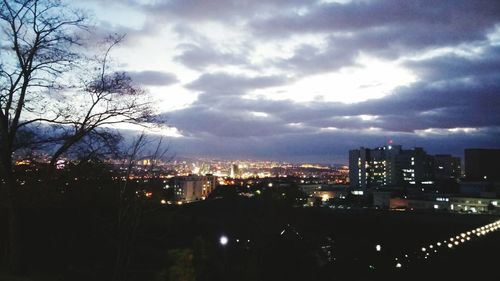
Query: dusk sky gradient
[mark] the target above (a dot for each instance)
(308, 80)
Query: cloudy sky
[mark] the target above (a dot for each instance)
(305, 80)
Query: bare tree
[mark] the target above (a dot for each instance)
(39, 46)
(39, 38)
(104, 99)
(97, 145)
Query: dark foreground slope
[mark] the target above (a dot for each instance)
(266, 241)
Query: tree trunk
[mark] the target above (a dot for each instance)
(13, 251)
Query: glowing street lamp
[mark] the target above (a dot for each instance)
(223, 240)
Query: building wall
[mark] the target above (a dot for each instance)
(416, 168)
(398, 203)
(482, 164)
(471, 204)
(355, 169)
(381, 199)
(193, 188)
(447, 166)
(454, 204)
(390, 166)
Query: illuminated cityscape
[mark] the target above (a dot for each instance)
(226, 140)
(316, 191)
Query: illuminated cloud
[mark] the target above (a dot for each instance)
(311, 79)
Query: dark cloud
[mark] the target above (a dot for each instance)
(201, 120)
(447, 21)
(152, 78)
(413, 108)
(424, 105)
(389, 28)
(308, 59)
(221, 111)
(453, 66)
(220, 10)
(222, 84)
(199, 57)
(327, 147)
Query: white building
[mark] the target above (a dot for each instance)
(194, 188)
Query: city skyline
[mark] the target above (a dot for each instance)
(308, 80)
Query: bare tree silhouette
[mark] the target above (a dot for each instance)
(40, 52)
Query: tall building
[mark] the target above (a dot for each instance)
(235, 171)
(193, 188)
(447, 167)
(373, 167)
(390, 166)
(482, 164)
(414, 167)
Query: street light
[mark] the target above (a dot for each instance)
(223, 240)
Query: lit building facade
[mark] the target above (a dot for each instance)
(390, 166)
(194, 188)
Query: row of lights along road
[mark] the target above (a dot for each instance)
(452, 242)
(426, 251)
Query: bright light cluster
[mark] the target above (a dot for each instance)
(452, 242)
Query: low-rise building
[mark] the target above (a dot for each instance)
(456, 204)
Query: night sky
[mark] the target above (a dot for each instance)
(309, 80)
